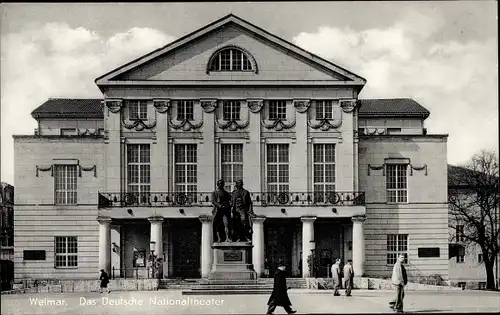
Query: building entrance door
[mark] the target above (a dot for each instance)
(186, 240)
(279, 240)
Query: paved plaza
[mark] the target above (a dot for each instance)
(305, 301)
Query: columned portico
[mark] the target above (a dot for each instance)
(157, 237)
(105, 244)
(206, 245)
(307, 243)
(258, 245)
(358, 245)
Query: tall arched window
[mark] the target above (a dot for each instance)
(230, 59)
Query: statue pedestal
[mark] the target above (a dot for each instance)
(232, 261)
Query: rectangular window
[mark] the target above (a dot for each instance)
(137, 110)
(138, 173)
(65, 184)
(231, 164)
(428, 252)
(225, 60)
(278, 170)
(66, 251)
(324, 110)
(397, 244)
(185, 110)
(33, 255)
(277, 110)
(461, 255)
(186, 171)
(460, 233)
(397, 191)
(231, 110)
(324, 171)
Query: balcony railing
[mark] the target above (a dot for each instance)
(203, 199)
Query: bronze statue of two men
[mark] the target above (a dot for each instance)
(232, 213)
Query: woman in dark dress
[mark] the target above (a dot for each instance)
(279, 297)
(104, 281)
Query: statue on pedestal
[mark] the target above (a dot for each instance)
(242, 210)
(221, 213)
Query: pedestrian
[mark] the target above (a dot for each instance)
(104, 281)
(348, 277)
(336, 277)
(266, 268)
(279, 297)
(399, 280)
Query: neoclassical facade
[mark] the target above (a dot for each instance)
(330, 175)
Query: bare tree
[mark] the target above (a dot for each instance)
(473, 200)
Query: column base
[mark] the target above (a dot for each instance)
(232, 261)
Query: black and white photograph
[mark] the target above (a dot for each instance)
(329, 157)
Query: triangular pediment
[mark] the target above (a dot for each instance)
(187, 59)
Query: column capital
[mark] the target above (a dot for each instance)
(308, 219)
(156, 219)
(358, 218)
(103, 220)
(205, 218)
(259, 219)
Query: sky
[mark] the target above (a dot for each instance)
(442, 54)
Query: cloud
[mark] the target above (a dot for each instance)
(59, 61)
(456, 81)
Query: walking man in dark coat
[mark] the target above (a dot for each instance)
(279, 297)
(104, 281)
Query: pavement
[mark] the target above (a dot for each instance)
(304, 301)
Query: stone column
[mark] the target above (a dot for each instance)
(105, 244)
(358, 245)
(206, 245)
(307, 243)
(258, 245)
(157, 237)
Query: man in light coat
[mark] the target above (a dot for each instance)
(399, 280)
(348, 277)
(336, 276)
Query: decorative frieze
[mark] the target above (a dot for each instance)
(139, 124)
(278, 124)
(186, 125)
(376, 168)
(45, 169)
(208, 106)
(232, 125)
(161, 105)
(87, 169)
(301, 105)
(418, 168)
(324, 124)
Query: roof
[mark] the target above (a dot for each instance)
(70, 108)
(391, 107)
(463, 177)
(108, 78)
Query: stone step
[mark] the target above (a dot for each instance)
(227, 292)
(233, 287)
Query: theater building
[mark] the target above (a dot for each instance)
(330, 174)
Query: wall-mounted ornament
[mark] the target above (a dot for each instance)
(375, 131)
(232, 125)
(185, 125)
(324, 124)
(87, 131)
(418, 168)
(114, 105)
(45, 169)
(348, 105)
(376, 168)
(87, 169)
(255, 105)
(278, 124)
(138, 124)
(208, 106)
(301, 105)
(161, 106)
